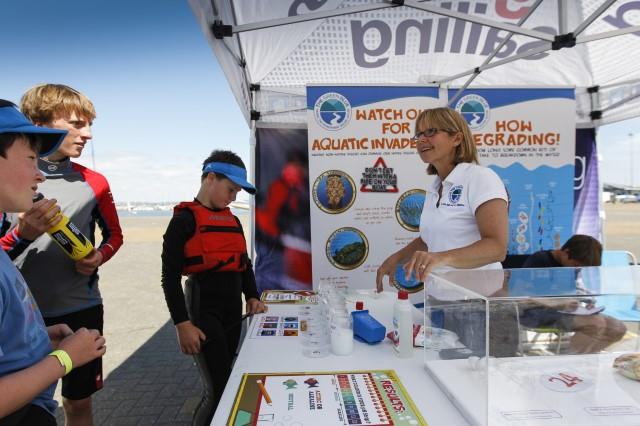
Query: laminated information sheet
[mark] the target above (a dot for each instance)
(268, 325)
(290, 297)
(324, 398)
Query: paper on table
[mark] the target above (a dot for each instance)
(584, 310)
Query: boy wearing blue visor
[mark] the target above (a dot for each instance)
(32, 356)
(205, 241)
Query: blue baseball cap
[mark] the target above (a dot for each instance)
(13, 121)
(234, 173)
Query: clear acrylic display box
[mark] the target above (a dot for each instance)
(535, 346)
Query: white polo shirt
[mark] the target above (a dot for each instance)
(453, 224)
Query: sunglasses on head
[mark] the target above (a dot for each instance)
(427, 133)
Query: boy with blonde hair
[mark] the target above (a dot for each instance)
(29, 369)
(67, 290)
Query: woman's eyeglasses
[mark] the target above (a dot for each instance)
(427, 133)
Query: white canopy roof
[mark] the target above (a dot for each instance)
(270, 49)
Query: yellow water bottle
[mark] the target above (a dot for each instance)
(67, 235)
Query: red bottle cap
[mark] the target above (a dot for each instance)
(403, 295)
(359, 305)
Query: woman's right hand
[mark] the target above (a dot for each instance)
(83, 346)
(388, 269)
(189, 337)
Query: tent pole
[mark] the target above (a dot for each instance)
(252, 200)
(482, 21)
(312, 16)
(603, 7)
(562, 16)
(620, 83)
(608, 34)
(494, 53)
(242, 63)
(526, 54)
(621, 102)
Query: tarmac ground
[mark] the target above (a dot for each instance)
(146, 378)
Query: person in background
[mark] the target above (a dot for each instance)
(579, 250)
(66, 290)
(591, 333)
(464, 222)
(29, 369)
(205, 241)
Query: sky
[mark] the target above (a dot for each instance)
(162, 101)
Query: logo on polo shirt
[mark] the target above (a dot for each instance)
(474, 109)
(455, 193)
(332, 111)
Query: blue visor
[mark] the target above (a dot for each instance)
(235, 174)
(13, 121)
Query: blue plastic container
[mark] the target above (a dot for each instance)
(366, 328)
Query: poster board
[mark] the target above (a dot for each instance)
(527, 136)
(366, 182)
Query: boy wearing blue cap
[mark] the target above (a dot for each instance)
(205, 241)
(66, 290)
(29, 369)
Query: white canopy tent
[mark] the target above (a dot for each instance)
(269, 50)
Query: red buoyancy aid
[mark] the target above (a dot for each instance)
(218, 243)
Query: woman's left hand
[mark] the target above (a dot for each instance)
(254, 306)
(422, 263)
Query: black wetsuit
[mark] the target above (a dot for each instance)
(213, 303)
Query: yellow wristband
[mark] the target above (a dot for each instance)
(65, 360)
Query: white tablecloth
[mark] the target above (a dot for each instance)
(284, 354)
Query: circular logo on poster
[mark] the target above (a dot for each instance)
(332, 111)
(409, 209)
(334, 191)
(347, 248)
(412, 285)
(474, 109)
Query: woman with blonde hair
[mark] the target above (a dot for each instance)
(464, 222)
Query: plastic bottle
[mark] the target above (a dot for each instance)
(68, 236)
(403, 326)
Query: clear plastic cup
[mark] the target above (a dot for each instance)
(316, 345)
(341, 336)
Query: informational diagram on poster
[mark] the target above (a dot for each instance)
(367, 183)
(269, 326)
(542, 390)
(324, 398)
(289, 297)
(527, 136)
